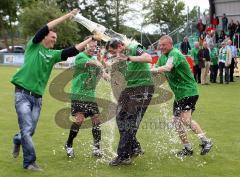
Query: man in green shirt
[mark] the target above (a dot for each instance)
(197, 69)
(83, 95)
(214, 63)
(134, 99)
(30, 82)
(178, 74)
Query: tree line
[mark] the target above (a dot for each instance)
(25, 17)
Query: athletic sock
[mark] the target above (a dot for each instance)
(72, 134)
(202, 137)
(96, 132)
(188, 146)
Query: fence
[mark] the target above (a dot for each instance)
(11, 58)
(17, 59)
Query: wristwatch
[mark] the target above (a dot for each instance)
(128, 59)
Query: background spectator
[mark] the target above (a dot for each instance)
(224, 23)
(231, 29)
(185, 46)
(201, 40)
(224, 58)
(214, 63)
(234, 59)
(214, 21)
(200, 27)
(197, 70)
(204, 62)
(210, 38)
(237, 27)
(222, 36)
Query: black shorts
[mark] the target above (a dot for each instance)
(185, 104)
(85, 107)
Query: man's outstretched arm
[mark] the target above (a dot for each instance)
(41, 33)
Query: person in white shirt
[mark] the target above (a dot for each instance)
(224, 59)
(233, 60)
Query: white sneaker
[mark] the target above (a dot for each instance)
(69, 151)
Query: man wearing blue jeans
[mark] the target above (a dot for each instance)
(30, 82)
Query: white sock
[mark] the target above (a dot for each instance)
(202, 137)
(188, 146)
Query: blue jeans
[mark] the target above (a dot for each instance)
(28, 110)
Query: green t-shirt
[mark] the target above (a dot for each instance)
(194, 54)
(84, 79)
(214, 56)
(180, 78)
(137, 74)
(37, 67)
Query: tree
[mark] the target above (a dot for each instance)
(119, 9)
(39, 13)
(193, 14)
(67, 5)
(168, 13)
(106, 12)
(8, 16)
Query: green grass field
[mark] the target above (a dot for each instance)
(218, 112)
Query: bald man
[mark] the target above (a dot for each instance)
(180, 78)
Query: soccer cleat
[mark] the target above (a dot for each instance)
(206, 147)
(16, 150)
(96, 152)
(69, 151)
(120, 161)
(185, 152)
(34, 167)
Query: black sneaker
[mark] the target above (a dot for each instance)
(206, 147)
(120, 161)
(16, 150)
(137, 152)
(185, 152)
(34, 167)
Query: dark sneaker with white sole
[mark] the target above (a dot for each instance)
(16, 150)
(34, 167)
(206, 147)
(120, 161)
(185, 152)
